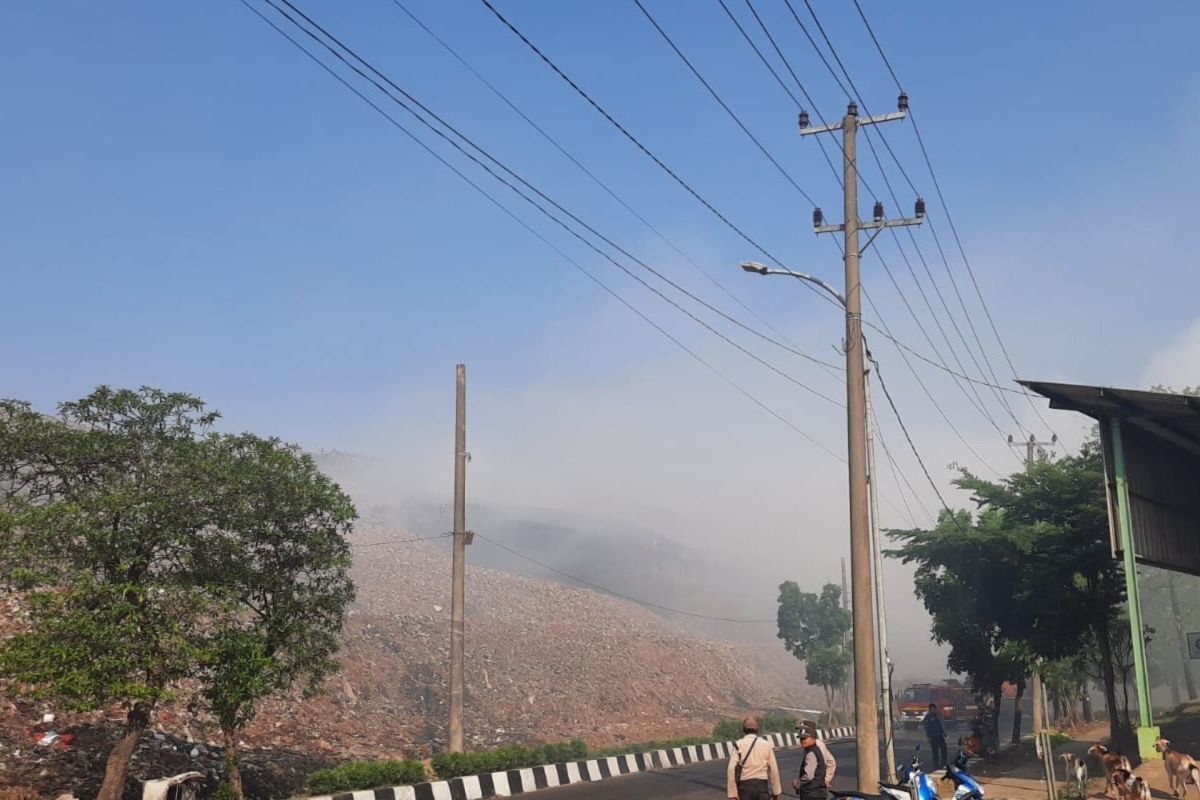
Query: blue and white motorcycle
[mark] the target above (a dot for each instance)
(965, 787)
(915, 784)
(912, 784)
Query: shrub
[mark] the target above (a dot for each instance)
(356, 775)
(730, 729)
(727, 730)
(645, 747)
(777, 723)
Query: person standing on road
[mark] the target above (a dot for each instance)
(811, 783)
(753, 773)
(936, 735)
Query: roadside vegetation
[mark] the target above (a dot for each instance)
(153, 550)
(361, 775)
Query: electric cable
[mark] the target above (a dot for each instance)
(538, 235)
(595, 179)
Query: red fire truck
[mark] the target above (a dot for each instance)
(952, 699)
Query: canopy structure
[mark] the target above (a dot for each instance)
(1151, 444)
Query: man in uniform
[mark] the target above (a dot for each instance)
(753, 773)
(810, 785)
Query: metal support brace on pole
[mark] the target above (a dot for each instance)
(1147, 732)
(885, 676)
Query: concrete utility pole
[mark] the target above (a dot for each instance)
(885, 662)
(462, 538)
(866, 718)
(1040, 716)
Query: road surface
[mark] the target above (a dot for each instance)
(706, 781)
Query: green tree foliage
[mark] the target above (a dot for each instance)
(97, 512)
(281, 569)
(154, 550)
(813, 628)
(827, 666)
(1030, 577)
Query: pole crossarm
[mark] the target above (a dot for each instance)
(808, 130)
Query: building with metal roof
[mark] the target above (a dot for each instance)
(1151, 445)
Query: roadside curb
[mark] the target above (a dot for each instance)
(530, 779)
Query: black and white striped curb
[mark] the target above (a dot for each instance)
(530, 779)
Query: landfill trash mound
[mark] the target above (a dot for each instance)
(544, 662)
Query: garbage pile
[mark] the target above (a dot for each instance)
(545, 661)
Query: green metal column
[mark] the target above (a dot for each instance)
(1147, 733)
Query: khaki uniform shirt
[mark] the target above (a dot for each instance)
(760, 765)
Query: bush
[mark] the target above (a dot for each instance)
(730, 729)
(646, 747)
(225, 792)
(777, 723)
(356, 775)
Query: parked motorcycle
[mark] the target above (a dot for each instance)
(912, 784)
(965, 787)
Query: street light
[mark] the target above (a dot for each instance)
(762, 269)
(880, 622)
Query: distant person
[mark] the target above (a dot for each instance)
(812, 782)
(936, 734)
(753, 773)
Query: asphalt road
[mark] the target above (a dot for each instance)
(706, 781)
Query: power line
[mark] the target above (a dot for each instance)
(387, 542)
(542, 209)
(911, 444)
(928, 394)
(733, 115)
(852, 93)
(596, 179)
(774, 74)
(897, 476)
(614, 592)
(882, 55)
(949, 217)
(642, 147)
(921, 356)
(538, 235)
(977, 402)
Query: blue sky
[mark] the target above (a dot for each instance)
(194, 205)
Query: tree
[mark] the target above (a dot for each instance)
(813, 629)
(98, 508)
(1032, 576)
(827, 666)
(282, 568)
(966, 571)
(155, 550)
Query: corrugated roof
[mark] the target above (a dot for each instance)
(1175, 417)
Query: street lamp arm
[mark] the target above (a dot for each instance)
(762, 269)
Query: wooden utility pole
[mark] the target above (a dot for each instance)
(866, 718)
(461, 540)
(1041, 719)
